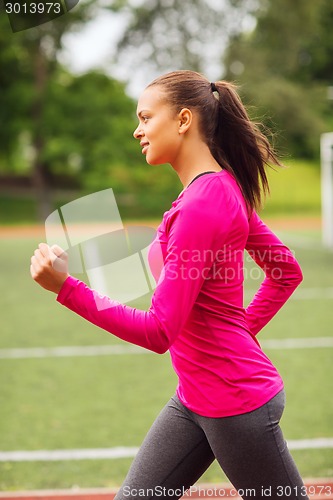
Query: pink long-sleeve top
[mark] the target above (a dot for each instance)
(197, 310)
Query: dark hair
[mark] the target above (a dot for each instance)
(234, 140)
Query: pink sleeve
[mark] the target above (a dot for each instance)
(282, 274)
(193, 229)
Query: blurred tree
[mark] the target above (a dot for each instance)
(171, 34)
(28, 61)
(296, 40)
(88, 125)
(15, 90)
(284, 66)
(70, 128)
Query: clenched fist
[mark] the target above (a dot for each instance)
(49, 267)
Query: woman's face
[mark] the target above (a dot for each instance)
(158, 129)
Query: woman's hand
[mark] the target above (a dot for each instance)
(49, 267)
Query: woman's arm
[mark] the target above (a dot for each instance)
(282, 274)
(189, 233)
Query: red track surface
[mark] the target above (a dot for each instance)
(284, 223)
(317, 489)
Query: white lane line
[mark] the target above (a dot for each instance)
(310, 444)
(124, 452)
(112, 350)
(300, 241)
(313, 293)
(302, 343)
(70, 351)
(302, 293)
(53, 455)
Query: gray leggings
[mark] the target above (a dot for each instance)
(181, 445)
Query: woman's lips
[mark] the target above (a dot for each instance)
(144, 146)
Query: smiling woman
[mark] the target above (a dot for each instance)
(230, 397)
(168, 136)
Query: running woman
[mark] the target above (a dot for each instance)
(230, 397)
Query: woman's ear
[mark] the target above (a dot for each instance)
(185, 120)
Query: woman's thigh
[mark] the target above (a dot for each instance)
(174, 454)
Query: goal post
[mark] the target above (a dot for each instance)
(326, 153)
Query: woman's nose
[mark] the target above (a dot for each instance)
(137, 132)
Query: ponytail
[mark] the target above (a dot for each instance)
(240, 147)
(234, 140)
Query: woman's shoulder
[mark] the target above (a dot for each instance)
(208, 200)
(218, 189)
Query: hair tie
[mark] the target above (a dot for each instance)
(213, 87)
(215, 91)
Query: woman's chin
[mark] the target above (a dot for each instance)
(153, 161)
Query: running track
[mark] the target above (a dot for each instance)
(318, 489)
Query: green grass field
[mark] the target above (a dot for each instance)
(301, 178)
(108, 401)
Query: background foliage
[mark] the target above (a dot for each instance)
(70, 131)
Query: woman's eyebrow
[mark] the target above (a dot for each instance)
(141, 112)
